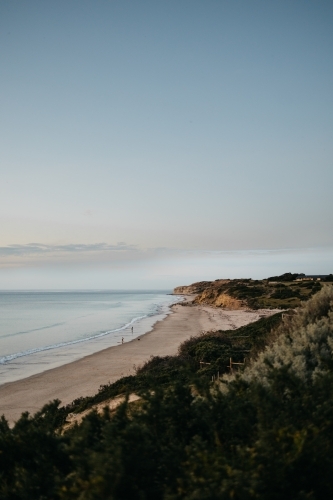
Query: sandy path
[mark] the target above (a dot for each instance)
(84, 377)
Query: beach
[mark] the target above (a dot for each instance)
(84, 376)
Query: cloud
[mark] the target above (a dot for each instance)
(165, 268)
(39, 253)
(40, 248)
(121, 255)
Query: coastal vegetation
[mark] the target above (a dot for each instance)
(206, 356)
(283, 292)
(203, 428)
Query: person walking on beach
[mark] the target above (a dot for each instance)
(132, 329)
(122, 340)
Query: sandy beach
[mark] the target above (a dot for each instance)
(85, 376)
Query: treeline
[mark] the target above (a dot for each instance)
(264, 433)
(293, 276)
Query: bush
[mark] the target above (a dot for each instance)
(306, 345)
(265, 434)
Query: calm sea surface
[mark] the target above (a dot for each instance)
(41, 330)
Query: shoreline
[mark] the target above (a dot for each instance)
(93, 334)
(84, 377)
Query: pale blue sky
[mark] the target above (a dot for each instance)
(196, 133)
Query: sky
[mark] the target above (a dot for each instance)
(150, 144)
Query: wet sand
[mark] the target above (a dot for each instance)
(85, 376)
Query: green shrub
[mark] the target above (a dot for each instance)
(265, 434)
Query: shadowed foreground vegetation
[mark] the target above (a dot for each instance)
(264, 433)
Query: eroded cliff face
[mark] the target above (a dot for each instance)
(213, 293)
(219, 299)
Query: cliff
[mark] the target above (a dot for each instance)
(248, 293)
(217, 298)
(197, 287)
(214, 293)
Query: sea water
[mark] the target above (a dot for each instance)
(40, 330)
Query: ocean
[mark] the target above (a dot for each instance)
(40, 330)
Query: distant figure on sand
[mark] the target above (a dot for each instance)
(122, 340)
(132, 329)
